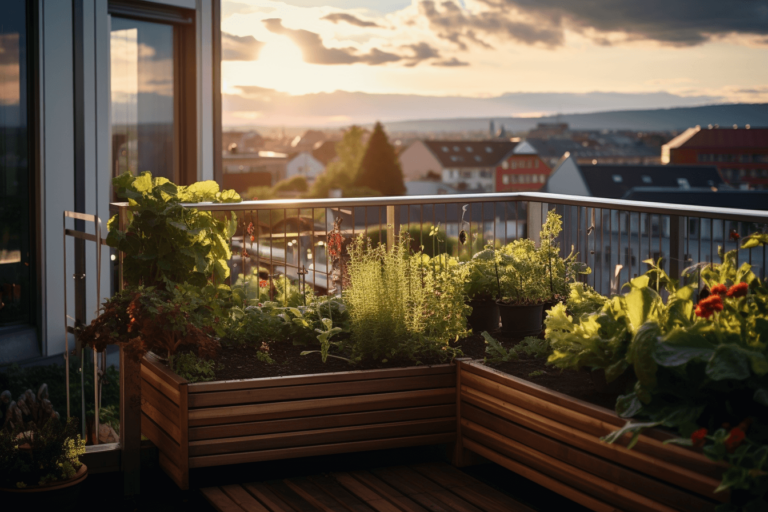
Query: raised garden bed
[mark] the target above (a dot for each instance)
(554, 440)
(229, 422)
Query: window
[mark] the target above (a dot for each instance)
(536, 163)
(514, 164)
(505, 165)
(469, 149)
(153, 96)
(683, 183)
(534, 178)
(542, 178)
(488, 149)
(617, 178)
(646, 179)
(513, 178)
(456, 148)
(505, 179)
(16, 278)
(445, 149)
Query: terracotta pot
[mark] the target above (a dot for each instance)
(520, 320)
(484, 316)
(616, 386)
(61, 495)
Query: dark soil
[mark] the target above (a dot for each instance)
(241, 362)
(577, 384)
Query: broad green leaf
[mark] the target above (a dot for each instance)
(761, 396)
(641, 352)
(728, 362)
(627, 406)
(643, 304)
(228, 196)
(680, 347)
(616, 370)
(755, 240)
(143, 183)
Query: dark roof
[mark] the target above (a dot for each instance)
(728, 138)
(722, 198)
(470, 153)
(325, 152)
(554, 148)
(614, 181)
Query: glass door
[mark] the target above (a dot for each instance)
(15, 258)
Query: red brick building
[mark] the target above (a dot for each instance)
(521, 171)
(740, 154)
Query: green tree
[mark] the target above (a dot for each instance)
(341, 173)
(380, 168)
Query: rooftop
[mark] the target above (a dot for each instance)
(733, 138)
(615, 181)
(470, 153)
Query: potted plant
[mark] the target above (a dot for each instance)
(481, 288)
(523, 289)
(39, 455)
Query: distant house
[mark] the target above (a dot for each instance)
(264, 168)
(522, 170)
(615, 181)
(304, 164)
(612, 150)
(463, 164)
(325, 151)
(741, 154)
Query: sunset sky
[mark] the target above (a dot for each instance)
(655, 53)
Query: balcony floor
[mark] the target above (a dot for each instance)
(414, 488)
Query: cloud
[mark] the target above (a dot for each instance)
(421, 52)
(452, 62)
(239, 47)
(460, 26)
(337, 17)
(229, 8)
(675, 22)
(315, 52)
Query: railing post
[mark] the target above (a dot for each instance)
(676, 246)
(393, 225)
(130, 402)
(533, 224)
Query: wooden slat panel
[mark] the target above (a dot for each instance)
(602, 467)
(168, 390)
(347, 500)
(540, 478)
(154, 365)
(171, 469)
(326, 449)
(166, 424)
(315, 437)
(385, 491)
(321, 378)
(164, 442)
(299, 408)
(184, 429)
(318, 422)
(370, 497)
(633, 459)
(219, 500)
(159, 401)
(267, 497)
(592, 425)
(256, 396)
(240, 496)
(570, 475)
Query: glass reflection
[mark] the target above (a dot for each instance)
(142, 84)
(14, 167)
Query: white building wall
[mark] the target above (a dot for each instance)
(304, 164)
(566, 179)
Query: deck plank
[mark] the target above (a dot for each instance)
(435, 487)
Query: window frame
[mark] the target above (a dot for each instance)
(185, 129)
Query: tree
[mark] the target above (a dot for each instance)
(341, 172)
(380, 168)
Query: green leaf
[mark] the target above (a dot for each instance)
(680, 347)
(728, 362)
(755, 240)
(228, 196)
(627, 406)
(641, 352)
(643, 304)
(629, 428)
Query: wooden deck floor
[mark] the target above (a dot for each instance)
(436, 487)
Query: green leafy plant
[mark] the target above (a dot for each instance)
(34, 454)
(482, 280)
(165, 243)
(534, 347)
(537, 373)
(523, 277)
(193, 368)
(402, 305)
(495, 351)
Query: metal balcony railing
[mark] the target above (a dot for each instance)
(613, 237)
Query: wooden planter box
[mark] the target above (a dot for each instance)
(553, 439)
(229, 422)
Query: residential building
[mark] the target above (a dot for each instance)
(325, 151)
(593, 149)
(616, 181)
(463, 164)
(522, 171)
(741, 154)
(428, 188)
(91, 89)
(270, 162)
(304, 164)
